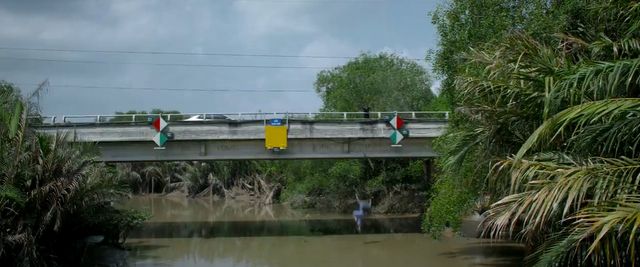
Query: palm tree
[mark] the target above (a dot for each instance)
(197, 177)
(130, 173)
(584, 196)
(557, 130)
(163, 172)
(49, 189)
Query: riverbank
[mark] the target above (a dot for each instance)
(395, 186)
(406, 199)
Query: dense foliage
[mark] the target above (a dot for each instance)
(380, 82)
(394, 185)
(464, 28)
(463, 25)
(553, 123)
(208, 178)
(324, 184)
(52, 195)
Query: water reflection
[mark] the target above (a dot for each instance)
(187, 232)
(301, 227)
(182, 209)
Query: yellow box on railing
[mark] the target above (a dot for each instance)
(275, 135)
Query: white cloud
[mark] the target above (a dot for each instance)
(112, 24)
(261, 19)
(326, 45)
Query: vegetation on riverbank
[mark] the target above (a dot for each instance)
(250, 180)
(547, 125)
(319, 184)
(52, 195)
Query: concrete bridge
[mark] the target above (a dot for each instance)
(128, 138)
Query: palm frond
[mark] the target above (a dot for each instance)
(545, 191)
(577, 119)
(561, 130)
(595, 236)
(598, 80)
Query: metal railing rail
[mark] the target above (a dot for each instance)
(240, 116)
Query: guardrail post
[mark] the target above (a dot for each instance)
(168, 117)
(64, 119)
(133, 118)
(446, 115)
(344, 116)
(53, 120)
(98, 119)
(413, 115)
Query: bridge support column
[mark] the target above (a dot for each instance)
(203, 149)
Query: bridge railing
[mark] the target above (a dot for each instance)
(242, 116)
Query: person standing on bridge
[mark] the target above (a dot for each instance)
(365, 110)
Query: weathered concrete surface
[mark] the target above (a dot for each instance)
(244, 130)
(254, 149)
(245, 140)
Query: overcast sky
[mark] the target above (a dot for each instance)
(342, 28)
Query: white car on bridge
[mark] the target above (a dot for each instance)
(208, 117)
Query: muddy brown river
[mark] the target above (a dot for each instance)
(200, 232)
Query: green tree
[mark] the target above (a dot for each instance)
(555, 132)
(464, 27)
(466, 24)
(381, 82)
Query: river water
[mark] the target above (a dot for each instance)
(200, 232)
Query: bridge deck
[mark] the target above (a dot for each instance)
(244, 139)
(242, 130)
